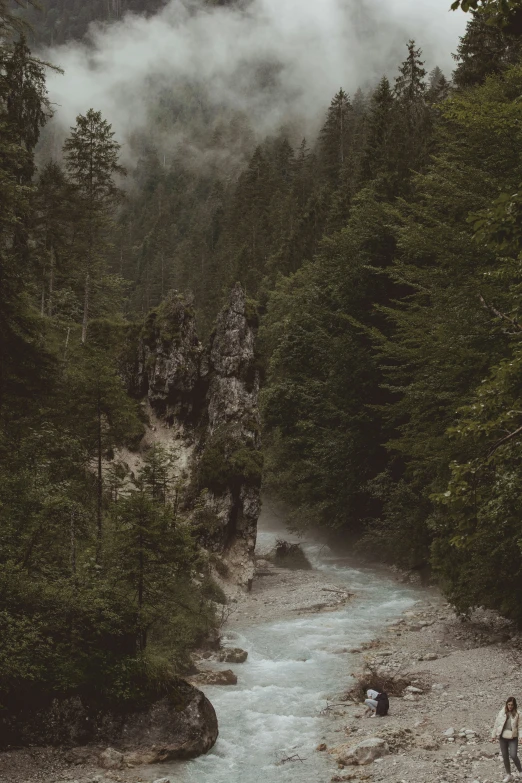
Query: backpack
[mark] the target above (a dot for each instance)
(383, 704)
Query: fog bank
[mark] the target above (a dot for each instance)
(277, 61)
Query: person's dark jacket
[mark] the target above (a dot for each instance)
(383, 703)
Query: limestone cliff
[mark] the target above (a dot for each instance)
(203, 401)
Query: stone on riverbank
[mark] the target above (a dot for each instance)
(365, 752)
(111, 759)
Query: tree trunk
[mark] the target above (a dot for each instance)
(86, 308)
(141, 578)
(73, 542)
(66, 343)
(99, 498)
(51, 285)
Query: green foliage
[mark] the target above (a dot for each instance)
(485, 49)
(322, 378)
(224, 464)
(504, 14)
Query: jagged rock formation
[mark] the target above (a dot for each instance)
(208, 399)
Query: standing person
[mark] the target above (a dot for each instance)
(506, 731)
(376, 703)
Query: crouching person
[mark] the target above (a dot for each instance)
(377, 703)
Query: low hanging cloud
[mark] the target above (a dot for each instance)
(278, 62)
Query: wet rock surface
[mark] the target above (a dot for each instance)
(226, 677)
(232, 655)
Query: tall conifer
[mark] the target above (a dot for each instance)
(92, 162)
(334, 139)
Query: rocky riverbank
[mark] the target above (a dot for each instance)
(450, 678)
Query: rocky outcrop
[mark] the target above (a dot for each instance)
(208, 399)
(180, 726)
(167, 366)
(230, 465)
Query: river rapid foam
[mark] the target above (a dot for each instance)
(293, 667)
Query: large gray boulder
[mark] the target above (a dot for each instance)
(179, 726)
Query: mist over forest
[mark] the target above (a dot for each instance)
(264, 65)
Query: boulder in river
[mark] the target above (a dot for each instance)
(226, 677)
(233, 655)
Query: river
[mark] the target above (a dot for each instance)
(293, 667)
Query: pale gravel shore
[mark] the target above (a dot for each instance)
(280, 593)
(476, 666)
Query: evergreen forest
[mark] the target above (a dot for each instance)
(384, 260)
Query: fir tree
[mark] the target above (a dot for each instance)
(410, 84)
(335, 137)
(92, 162)
(106, 417)
(379, 154)
(53, 231)
(23, 110)
(413, 128)
(439, 87)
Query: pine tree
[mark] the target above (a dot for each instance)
(414, 122)
(92, 162)
(302, 175)
(410, 85)
(26, 106)
(23, 110)
(156, 555)
(104, 414)
(335, 137)
(12, 23)
(379, 155)
(439, 87)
